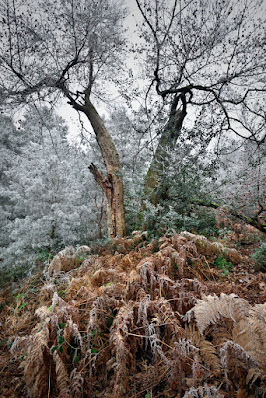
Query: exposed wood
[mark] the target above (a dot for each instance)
(112, 186)
(113, 183)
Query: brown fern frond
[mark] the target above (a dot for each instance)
(245, 334)
(149, 375)
(89, 266)
(20, 342)
(121, 348)
(183, 301)
(35, 350)
(62, 378)
(103, 276)
(212, 309)
(155, 345)
(241, 393)
(39, 341)
(71, 331)
(102, 308)
(185, 294)
(207, 348)
(46, 292)
(210, 356)
(185, 348)
(155, 322)
(177, 241)
(37, 385)
(232, 354)
(64, 393)
(53, 324)
(222, 332)
(140, 294)
(43, 312)
(158, 284)
(193, 334)
(168, 318)
(208, 248)
(185, 362)
(172, 258)
(79, 287)
(257, 318)
(143, 312)
(158, 321)
(194, 285)
(64, 310)
(183, 251)
(255, 374)
(76, 384)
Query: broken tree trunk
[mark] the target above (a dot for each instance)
(112, 184)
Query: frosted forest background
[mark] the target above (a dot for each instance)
(49, 200)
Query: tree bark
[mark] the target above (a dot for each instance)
(155, 186)
(112, 185)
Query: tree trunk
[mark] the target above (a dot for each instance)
(113, 183)
(155, 187)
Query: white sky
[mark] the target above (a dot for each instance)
(70, 115)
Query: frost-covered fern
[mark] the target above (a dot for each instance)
(212, 309)
(202, 392)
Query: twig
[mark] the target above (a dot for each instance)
(49, 382)
(11, 374)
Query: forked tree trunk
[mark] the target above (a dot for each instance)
(112, 184)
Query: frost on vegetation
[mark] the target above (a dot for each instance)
(43, 312)
(67, 259)
(235, 351)
(206, 247)
(50, 203)
(151, 328)
(212, 308)
(202, 392)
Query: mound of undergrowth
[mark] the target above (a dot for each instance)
(179, 317)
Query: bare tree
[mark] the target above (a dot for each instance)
(70, 48)
(205, 58)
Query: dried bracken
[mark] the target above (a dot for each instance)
(148, 319)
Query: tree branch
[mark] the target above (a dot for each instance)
(99, 178)
(254, 221)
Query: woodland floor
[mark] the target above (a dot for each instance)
(140, 319)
